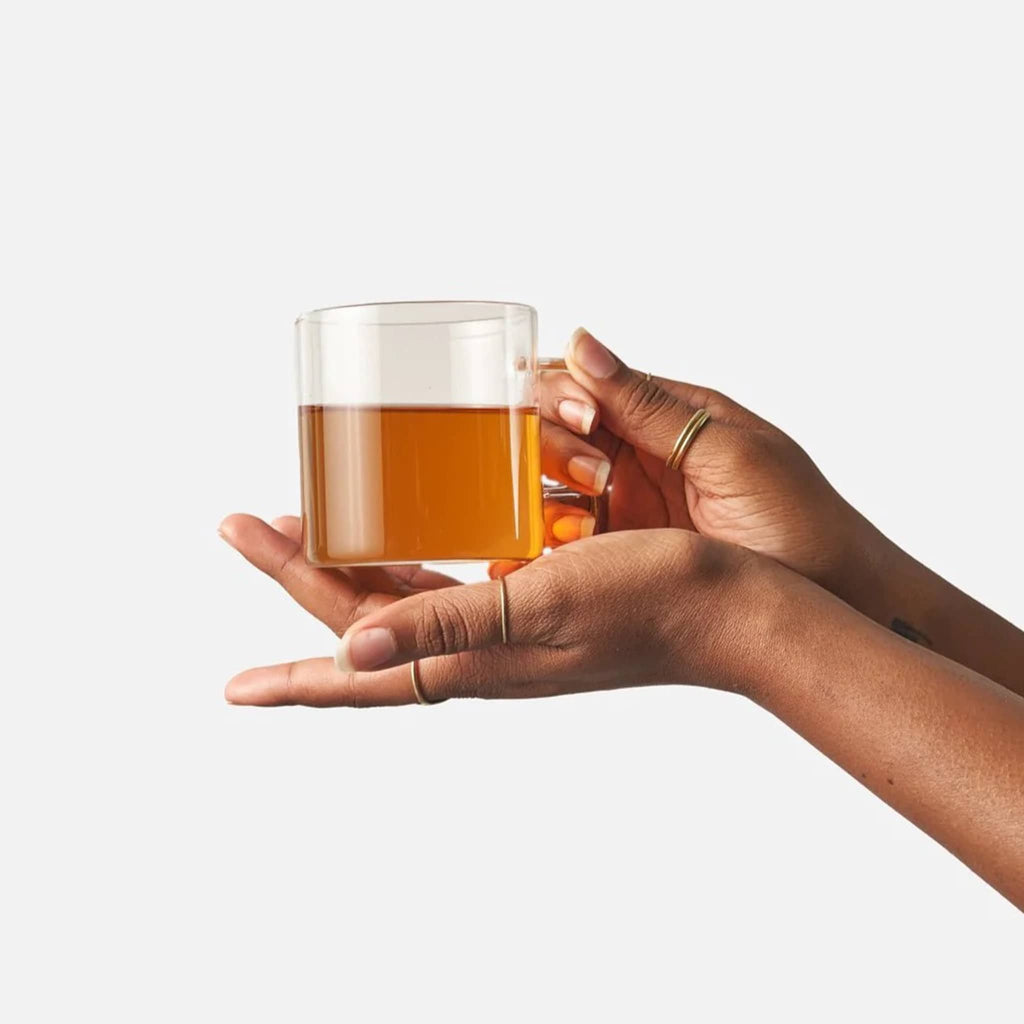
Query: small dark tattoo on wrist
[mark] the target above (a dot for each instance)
(905, 629)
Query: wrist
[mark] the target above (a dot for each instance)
(867, 568)
(796, 630)
(751, 610)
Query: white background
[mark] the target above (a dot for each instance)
(814, 207)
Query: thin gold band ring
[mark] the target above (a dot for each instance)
(685, 438)
(414, 666)
(503, 608)
(417, 685)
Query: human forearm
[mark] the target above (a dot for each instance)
(939, 743)
(746, 482)
(887, 585)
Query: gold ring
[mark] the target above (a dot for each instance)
(685, 438)
(414, 675)
(503, 608)
(647, 378)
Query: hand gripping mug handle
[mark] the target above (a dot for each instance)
(595, 505)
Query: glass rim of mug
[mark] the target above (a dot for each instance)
(350, 313)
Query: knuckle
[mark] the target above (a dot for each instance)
(345, 692)
(352, 696)
(290, 570)
(547, 610)
(643, 398)
(341, 614)
(295, 692)
(708, 398)
(345, 610)
(458, 677)
(441, 627)
(754, 450)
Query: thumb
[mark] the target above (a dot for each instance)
(427, 625)
(634, 405)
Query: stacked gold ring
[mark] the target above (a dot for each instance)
(685, 439)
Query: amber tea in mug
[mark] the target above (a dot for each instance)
(419, 433)
(420, 483)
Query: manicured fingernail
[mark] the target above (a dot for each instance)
(577, 415)
(365, 649)
(590, 355)
(570, 528)
(589, 471)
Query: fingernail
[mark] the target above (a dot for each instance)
(496, 570)
(570, 528)
(590, 355)
(365, 649)
(590, 471)
(577, 415)
(239, 688)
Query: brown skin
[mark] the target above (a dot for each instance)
(938, 742)
(735, 599)
(747, 483)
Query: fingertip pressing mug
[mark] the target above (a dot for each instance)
(419, 433)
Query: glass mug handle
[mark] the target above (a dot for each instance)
(595, 505)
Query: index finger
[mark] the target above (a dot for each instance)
(330, 596)
(316, 682)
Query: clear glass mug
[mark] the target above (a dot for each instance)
(419, 434)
